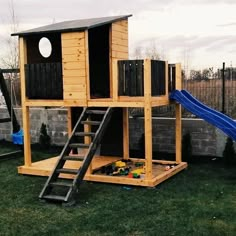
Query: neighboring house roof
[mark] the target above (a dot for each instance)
(72, 26)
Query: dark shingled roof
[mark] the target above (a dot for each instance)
(72, 26)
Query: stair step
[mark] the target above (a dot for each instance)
(85, 134)
(79, 145)
(90, 122)
(67, 171)
(56, 186)
(4, 120)
(97, 112)
(61, 183)
(54, 197)
(73, 158)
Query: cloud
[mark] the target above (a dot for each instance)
(227, 24)
(175, 26)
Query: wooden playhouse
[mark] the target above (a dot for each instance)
(89, 73)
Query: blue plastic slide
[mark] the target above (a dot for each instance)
(216, 118)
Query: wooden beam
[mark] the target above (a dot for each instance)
(125, 133)
(178, 133)
(178, 76)
(26, 128)
(166, 175)
(23, 61)
(69, 121)
(25, 108)
(110, 62)
(87, 64)
(148, 119)
(43, 103)
(114, 80)
(107, 103)
(178, 113)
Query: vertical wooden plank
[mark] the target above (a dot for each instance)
(148, 118)
(120, 77)
(115, 80)
(178, 79)
(111, 65)
(166, 79)
(125, 133)
(25, 109)
(87, 128)
(127, 78)
(133, 80)
(60, 81)
(178, 133)
(140, 79)
(178, 124)
(69, 121)
(87, 65)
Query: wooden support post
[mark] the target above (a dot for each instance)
(25, 109)
(26, 128)
(69, 120)
(87, 65)
(178, 77)
(148, 119)
(166, 79)
(178, 133)
(178, 123)
(126, 133)
(114, 80)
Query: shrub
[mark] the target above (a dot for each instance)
(229, 154)
(187, 147)
(44, 138)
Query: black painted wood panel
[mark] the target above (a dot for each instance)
(171, 77)
(131, 77)
(158, 77)
(44, 81)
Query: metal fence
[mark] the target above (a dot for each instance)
(214, 94)
(210, 92)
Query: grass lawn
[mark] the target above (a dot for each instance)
(198, 201)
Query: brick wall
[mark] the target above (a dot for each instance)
(206, 139)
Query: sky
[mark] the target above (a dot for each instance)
(197, 33)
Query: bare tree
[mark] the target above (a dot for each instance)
(152, 52)
(11, 57)
(138, 53)
(149, 51)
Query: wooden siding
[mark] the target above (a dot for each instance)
(74, 66)
(119, 40)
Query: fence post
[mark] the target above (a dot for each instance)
(223, 88)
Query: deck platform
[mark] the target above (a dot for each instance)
(160, 174)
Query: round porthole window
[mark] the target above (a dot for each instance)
(45, 47)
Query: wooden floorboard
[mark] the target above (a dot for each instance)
(162, 170)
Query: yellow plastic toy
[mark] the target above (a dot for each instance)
(120, 164)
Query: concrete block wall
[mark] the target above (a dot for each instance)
(206, 139)
(55, 119)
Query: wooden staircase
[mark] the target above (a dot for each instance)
(64, 189)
